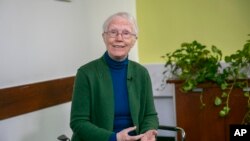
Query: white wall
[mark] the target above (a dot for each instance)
(48, 39)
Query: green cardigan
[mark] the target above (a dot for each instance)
(92, 110)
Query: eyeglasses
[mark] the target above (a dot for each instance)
(124, 34)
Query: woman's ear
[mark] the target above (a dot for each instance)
(103, 37)
(134, 40)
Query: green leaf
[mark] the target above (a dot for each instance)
(246, 94)
(222, 113)
(226, 109)
(217, 101)
(188, 86)
(224, 86)
(224, 94)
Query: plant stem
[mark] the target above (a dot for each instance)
(201, 100)
(230, 91)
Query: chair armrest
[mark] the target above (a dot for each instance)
(174, 128)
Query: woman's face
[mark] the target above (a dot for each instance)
(119, 38)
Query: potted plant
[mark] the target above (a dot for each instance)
(195, 64)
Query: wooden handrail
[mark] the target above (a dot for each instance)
(27, 98)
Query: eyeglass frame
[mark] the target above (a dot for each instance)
(116, 34)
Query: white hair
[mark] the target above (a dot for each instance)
(125, 15)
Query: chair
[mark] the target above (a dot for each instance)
(159, 138)
(176, 129)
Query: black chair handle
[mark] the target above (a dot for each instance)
(174, 128)
(63, 138)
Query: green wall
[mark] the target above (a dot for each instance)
(165, 24)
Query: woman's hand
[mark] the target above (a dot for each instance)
(124, 136)
(150, 135)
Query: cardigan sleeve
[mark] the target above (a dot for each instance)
(150, 118)
(80, 118)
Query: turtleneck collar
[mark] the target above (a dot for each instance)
(113, 64)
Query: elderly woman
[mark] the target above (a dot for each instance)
(112, 97)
